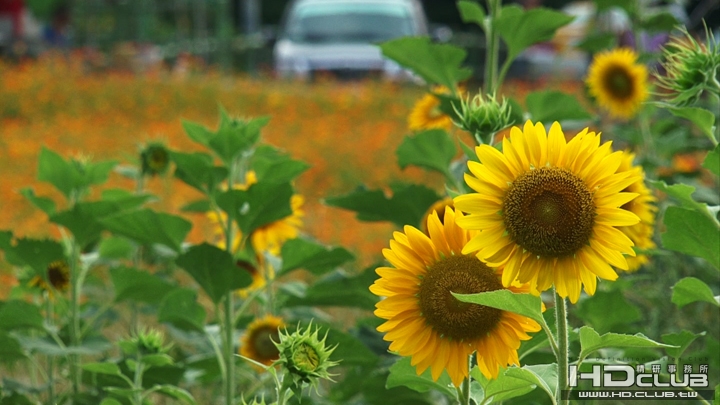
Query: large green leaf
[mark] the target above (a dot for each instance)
(46, 204)
(214, 269)
(692, 233)
(83, 220)
(701, 117)
(272, 166)
(10, 349)
(691, 289)
(683, 340)
(432, 149)
(125, 199)
(180, 308)
(259, 205)
(591, 341)
(550, 105)
(506, 300)
(149, 227)
(63, 175)
(116, 248)
(541, 375)
(712, 161)
(36, 253)
(197, 170)
(471, 12)
(520, 29)
(608, 309)
(436, 63)
(406, 206)
(502, 388)
(339, 290)
(595, 43)
(683, 193)
(175, 393)
(139, 286)
(235, 137)
(197, 132)
(313, 257)
(16, 314)
(404, 374)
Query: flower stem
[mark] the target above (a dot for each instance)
(492, 43)
(464, 392)
(137, 383)
(49, 320)
(75, 315)
(562, 341)
(227, 325)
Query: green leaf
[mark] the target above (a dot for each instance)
(157, 360)
(197, 170)
(541, 375)
(139, 286)
(96, 173)
(37, 254)
(506, 300)
(659, 22)
(339, 290)
(591, 341)
(180, 308)
(471, 12)
(149, 227)
(603, 5)
(115, 248)
(502, 388)
(235, 137)
(691, 289)
(83, 220)
(197, 132)
(432, 150)
(407, 206)
(712, 161)
(102, 368)
(606, 310)
(313, 257)
(126, 200)
(704, 119)
(520, 29)
(214, 269)
(16, 314)
(175, 392)
(403, 374)
(52, 168)
(683, 340)
(682, 193)
(110, 401)
(436, 63)
(10, 349)
(45, 204)
(270, 165)
(598, 42)
(259, 205)
(198, 206)
(350, 349)
(691, 233)
(549, 106)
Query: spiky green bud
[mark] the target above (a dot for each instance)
(155, 159)
(483, 116)
(691, 68)
(145, 342)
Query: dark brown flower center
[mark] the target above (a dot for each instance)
(618, 82)
(58, 274)
(447, 315)
(262, 343)
(549, 212)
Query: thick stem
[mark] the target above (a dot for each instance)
(227, 325)
(562, 341)
(137, 383)
(492, 43)
(464, 392)
(75, 282)
(49, 319)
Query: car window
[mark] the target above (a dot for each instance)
(349, 23)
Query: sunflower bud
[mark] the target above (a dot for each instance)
(483, 117)
(691, 67)
(145, 342)
(305, 357)
(155, 159)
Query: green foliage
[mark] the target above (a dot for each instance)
(180, 309)
(139, 286)
(543, 376)
(591, 341)
(198, 171)
(500, 389)
(520, 29)
(272, 166)
(691, 289)
(340, 290)
(83, 220)
(712, 161)
(683, 340)
(17, 314)
(432, 150)
(471, 12)
(47, 205)
(436, 63)
(71, 177)
(10, 349)
(259, 205)
(605, 311)
(692, 233)
(549, 105)
(149, 227)
(404, 374)
(598, 42)
(214, 270)
(315, 258)
(704, 119)
(406, 206)
(506, 300)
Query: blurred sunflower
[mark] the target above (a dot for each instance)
(548, 209)
(617, 82)
(259, 273)
(439, 206)
(644, 207)
(426, 322)
(257, 342)
(58, 276)
(426, 113)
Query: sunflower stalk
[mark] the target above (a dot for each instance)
(49, 323)
(227, 324)
(562, 341)
(492, 47)
(464, 392)
(75, 337)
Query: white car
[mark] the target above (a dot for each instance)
(340, 37)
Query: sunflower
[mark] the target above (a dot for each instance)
(643, 206)
(618, 83)
(259, 273)
(58, 274)
(439, 206)
(426, 322)
(257, 342)
(426, 113)
(549, 209)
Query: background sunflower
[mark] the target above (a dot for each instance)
(257, 342)
(617, 82)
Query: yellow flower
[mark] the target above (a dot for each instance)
(259, 274)
(644, 207)
(426, 113)
(617, 82)
(439, 207)
(257, 342)
(426, 322)
(549, 209)
(58, 274)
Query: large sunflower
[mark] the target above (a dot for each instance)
(426, 113)
(644, 207)
(257, 342)
(548, 209)
(426, 322)
(617, 82)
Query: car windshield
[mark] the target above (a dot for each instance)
(348, 23)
